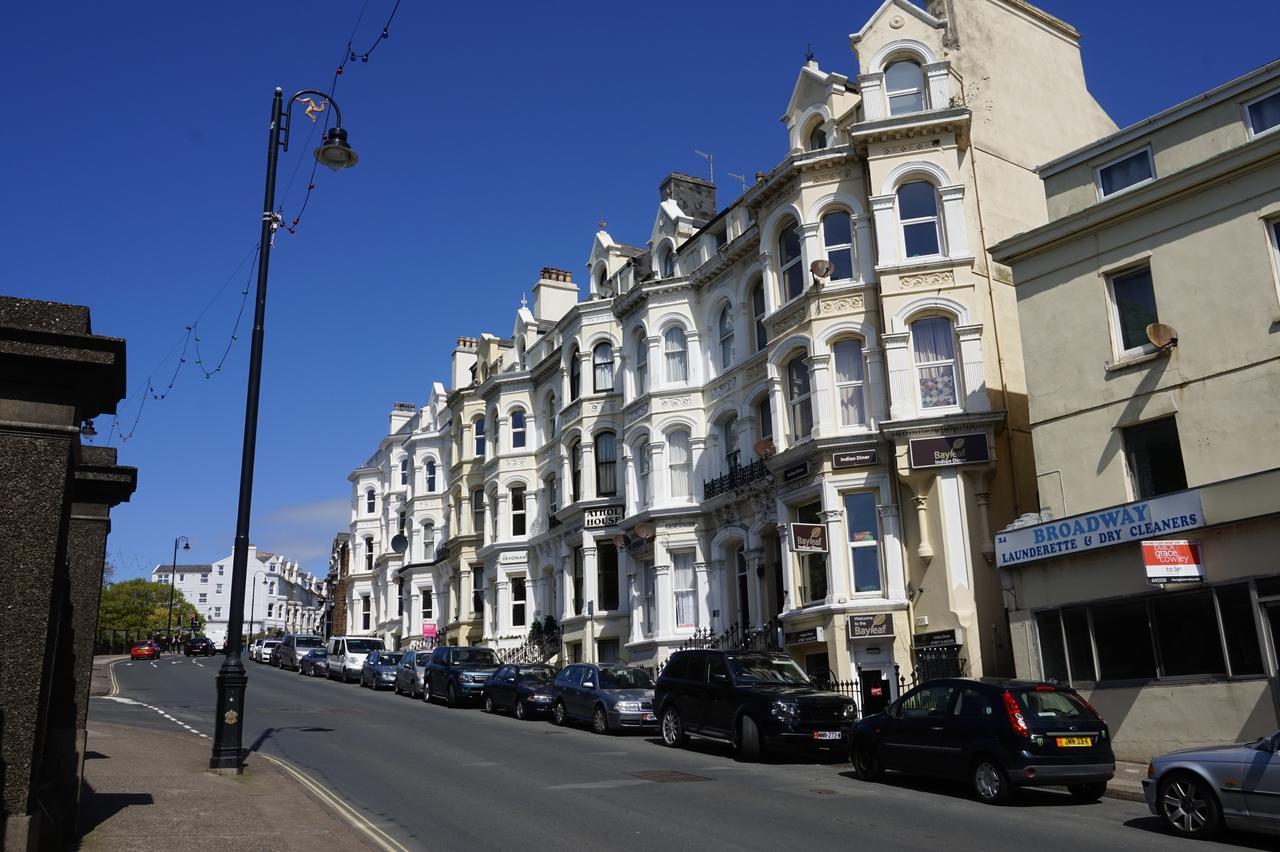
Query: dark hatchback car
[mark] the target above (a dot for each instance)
(198, 646)
(995, 734)
(525, 690)
(459, 674)
(379, 669)
(314, 663)
(751, 698)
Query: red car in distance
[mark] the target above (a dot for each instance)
(144, 650)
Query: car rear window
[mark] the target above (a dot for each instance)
(536, 676)
(1051, 705)
(309, 642)
(363, 646)
(474, 657)
(386, 659)
(625, 679)
(141, 644)
(270, 643)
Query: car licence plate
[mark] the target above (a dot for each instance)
(1074, 742)
(827, 735)
(649, 717)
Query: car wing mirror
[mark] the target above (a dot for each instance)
(586, 684)
(717, 677)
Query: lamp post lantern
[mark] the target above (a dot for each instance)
(173, 572)
(334, 152)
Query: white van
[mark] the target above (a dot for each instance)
(347, 653)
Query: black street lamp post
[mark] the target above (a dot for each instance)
(173, 573)
(334, 152)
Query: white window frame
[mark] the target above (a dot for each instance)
(1248, 122)
(426, 605)
(936, 219)
(917, 366)
(805, 399)
(519, 582)
(643, 460)
(760, 334)
(676, 355)
(1272, 225)
(784, 266)
(642, 362)
(854, 545)
(724, 321)
(685, 597)
(819, 127)
(428, 541)
(860, 384)
(521, 431)
(1097, 172)
(478, 437)
(519, 509)
(890, 94)
(829, 248)
(404, 471)
(685, 467)
(429, 476)
(602, 369)
(649, 594)
(1113, 312)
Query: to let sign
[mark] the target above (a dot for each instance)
(1172, 561)
(602, 516)
(870, 626)
(809, 538)
(949, 450)
(429, 630)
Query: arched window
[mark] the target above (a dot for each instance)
(642, 361)
(850, 378)
(602, 367)
(934, 348)
(600, 279)
(798, 396)
(370, 501)
(677, 355)
(679, 462)
(642, 474)
(837, 239)
(726, 337)
(575, 375)
(553, 416)
(553, 495)
(729, 435)
(478, 428)
(918, 214)
(668, 262)
(757, 313)
(575, 471)
(404, 471)
(790, 271)
(764, 418)
(428, 541)
(431, 476)
(368, 553)
(517, 428)
(517, 511)
(817, 138)
(606, 465)
(904, 85)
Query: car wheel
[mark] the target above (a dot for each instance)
(1087, 792)
(558, 714)
(488, 704)
(1188, 806)
(866, 762)
(521, 712)
(673, 733)
(600, 720)
(451, 697)
(750, 745)
(989, 783)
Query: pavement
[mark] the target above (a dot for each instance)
(422, 776)
(147, 789)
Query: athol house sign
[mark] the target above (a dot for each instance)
(599, 517)
(809, 538)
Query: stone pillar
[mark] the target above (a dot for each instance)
(902, 389)
(973, 378)
(590, 586)
(938, 75)
(884, 209)
(503, 620)
(924, 550)
(468, 523)
(810, 248)
(754, 558)
(864, 244)
(588, 491)
(894, 566)
(635, 594)
(720, 618)
(787, 566)
(841, 581)
(664, 598)
(703, 594)
(659, 476)
(877, 396)
(953, 220)
(769, 281)
(873, 99)
(503, 521)
(699, 465)
(824, 413)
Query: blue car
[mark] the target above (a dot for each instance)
(524, 690)
(1199, 790)
(610, 697)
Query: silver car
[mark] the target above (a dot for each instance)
(410, 673)
(1198, 790)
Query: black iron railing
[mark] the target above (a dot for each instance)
(737, 477)
(533, 651)
(738, 637)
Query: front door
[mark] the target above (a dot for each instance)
(875, 691)
(744, 602)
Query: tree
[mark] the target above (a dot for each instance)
(142, 606)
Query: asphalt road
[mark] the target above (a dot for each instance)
(435, 778)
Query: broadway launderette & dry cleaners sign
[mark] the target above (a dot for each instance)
(1131, 522)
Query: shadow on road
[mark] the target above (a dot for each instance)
(1023, 797)
(1155, 825)
(777, 755)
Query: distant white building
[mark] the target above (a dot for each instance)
(279, 595)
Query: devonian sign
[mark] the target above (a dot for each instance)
(1131, 522)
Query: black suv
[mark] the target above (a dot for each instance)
(198, 645)
(458, 674)
(750, 698)
(996, 734)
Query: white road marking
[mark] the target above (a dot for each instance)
(601, 785)
(201, 665)
(154, 666)
(482, 763)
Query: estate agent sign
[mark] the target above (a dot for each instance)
(1131, 522)
(1172, 561)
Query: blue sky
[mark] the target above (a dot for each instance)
(492, 138)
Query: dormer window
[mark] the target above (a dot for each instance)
(1125, 173)
(668, 265)
(1264, 114)
(817, 139)
(904, 86)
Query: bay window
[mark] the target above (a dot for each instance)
(606, 464)
(837, 238)
(850, 383)
(676, 347)
(757, 313)
(575, 375)
(517, 429)
(726, 338)
(518, 525)
(799, 392)
(685, 583)
(679, 462)
(790, 269)
(934, 347)
(602, 364)
(918, 216)
(862, 520)
(641, 344)
(904, 86)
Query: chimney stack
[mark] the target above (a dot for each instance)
(695, 196)
(554, 294)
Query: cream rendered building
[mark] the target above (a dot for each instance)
(1174, 220)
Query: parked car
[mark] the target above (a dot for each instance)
(293, 647)
(268, 650)
(347, 653)
(314, 662)
(144, 650)
(995, 734)
(610, 697)
(1198, 790)
(379, 669)
(753, 699)
(198, 645)
(254, 648)
(411, 672)
(459, 674)
(525, 690)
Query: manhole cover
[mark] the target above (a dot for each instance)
(821, 792)
(667, 776)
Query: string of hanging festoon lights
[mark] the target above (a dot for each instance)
(191, 338)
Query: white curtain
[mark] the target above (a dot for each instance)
(678, 455)
(933, 340)
(850, 375)
(686, 592)
(677, 362)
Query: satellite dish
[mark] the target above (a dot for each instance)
(1162, 336)
(646, 531)
(400, 544)
(619, 541)
(764, 448)
(821, 269)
